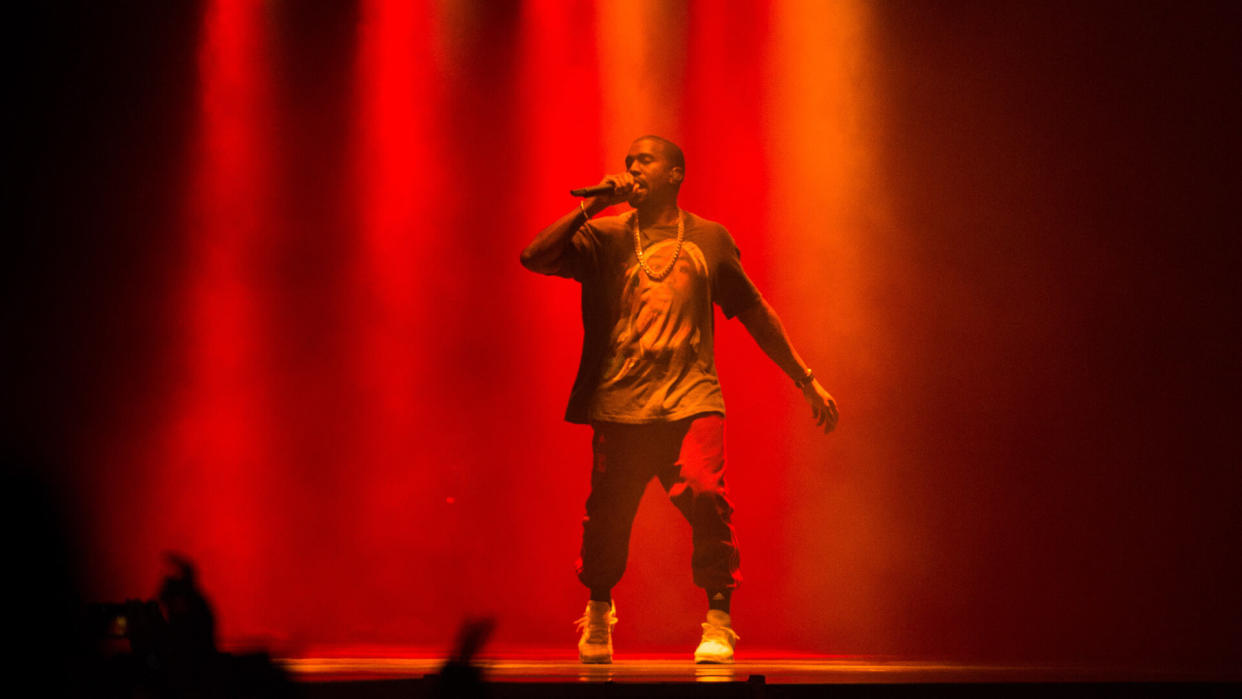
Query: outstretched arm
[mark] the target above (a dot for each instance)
(765, 326)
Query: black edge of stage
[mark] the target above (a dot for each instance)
(656, 678)
(758, 689)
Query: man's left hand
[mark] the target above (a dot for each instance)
(823, 406)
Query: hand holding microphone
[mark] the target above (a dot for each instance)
(611, 190)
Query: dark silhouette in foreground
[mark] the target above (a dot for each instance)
(172, 647)
(461, 676)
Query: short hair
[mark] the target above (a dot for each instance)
(675, 156)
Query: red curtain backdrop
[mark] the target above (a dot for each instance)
(323, 375)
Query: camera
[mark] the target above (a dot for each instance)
(118, 620)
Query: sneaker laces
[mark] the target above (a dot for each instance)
(724, 634)
(596, 629)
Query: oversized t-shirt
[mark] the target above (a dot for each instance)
(647, 345)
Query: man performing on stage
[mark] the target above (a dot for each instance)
(647, 379)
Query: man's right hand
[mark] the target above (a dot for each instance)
(543, 254)
(622, 187)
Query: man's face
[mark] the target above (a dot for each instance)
(655, 177)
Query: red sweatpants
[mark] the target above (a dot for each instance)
(688, 456)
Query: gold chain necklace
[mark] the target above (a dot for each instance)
(638, 249)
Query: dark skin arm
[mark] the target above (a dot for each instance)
(544, 252)
(765, 326)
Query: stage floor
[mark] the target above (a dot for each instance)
(801, 671)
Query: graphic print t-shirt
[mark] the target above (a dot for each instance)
(647, 353)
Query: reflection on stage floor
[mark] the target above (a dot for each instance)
(771, 670)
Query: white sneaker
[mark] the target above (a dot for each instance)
(718, 639)
(595, 645)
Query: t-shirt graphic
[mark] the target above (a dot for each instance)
(660, 334)
(647, 351)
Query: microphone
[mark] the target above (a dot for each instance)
(595, 191)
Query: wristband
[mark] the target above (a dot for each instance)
(805, 380)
